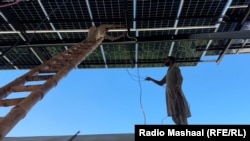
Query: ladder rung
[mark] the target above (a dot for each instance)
(74, 51)
(65, 60)
(48, 70)
(38, 77)
(57, 66)
(10, 102)
(58, 60)
(25, 88)
(61, 60)
(70, 55)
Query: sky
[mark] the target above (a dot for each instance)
(112, 101)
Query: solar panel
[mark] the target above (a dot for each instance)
(36, 31)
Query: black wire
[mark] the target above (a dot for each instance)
(74, 136)
(162, 121)
(143, 112)
(126, 16)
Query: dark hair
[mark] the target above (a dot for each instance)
(172, 58)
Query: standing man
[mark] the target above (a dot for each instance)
(176, 103)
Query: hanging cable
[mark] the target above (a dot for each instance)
(135, 40)
(10, 4)
(140, 87)
(136, 76)
(127, 21)
(143, 112)
(162, 121)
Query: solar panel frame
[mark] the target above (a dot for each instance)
(144, 19)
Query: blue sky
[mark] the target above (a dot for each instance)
(107, 101)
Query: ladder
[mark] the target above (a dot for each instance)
(50, 72)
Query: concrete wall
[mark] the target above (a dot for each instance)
(104, 137)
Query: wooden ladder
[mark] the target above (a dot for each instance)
(50, 72)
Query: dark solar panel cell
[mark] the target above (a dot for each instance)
(52, 26)
(156, 8)
(196, 22)
(4, 26)
(240, 2)
(10, 37)
(203, 7)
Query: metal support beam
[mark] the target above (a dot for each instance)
(138, 19)
(206, 36)
(238, 6)
(51, 24)
(243, 44)
(136, 32)
(218, 23)
(243, 34)
(234, 47)
(238, 27)
(175, 26)
(90, 13)
(112, 30)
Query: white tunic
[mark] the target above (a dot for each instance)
(177, 104)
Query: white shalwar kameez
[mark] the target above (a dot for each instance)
(177, 105)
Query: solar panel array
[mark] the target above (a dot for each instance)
(32, 32)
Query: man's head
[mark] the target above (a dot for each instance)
(170, 60)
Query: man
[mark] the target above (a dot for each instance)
(177, 105)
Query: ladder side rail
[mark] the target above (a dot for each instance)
(66, 61)
(20, 111)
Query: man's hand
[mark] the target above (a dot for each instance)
(148, 78)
